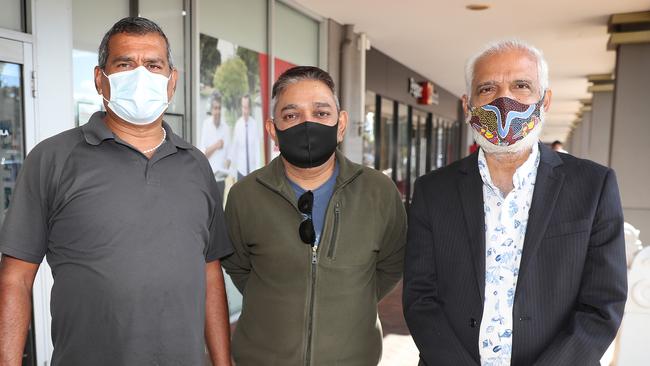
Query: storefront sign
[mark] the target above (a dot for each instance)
(425, 92)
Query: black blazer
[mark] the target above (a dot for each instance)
(572, 283)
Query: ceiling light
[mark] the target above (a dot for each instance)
(477, 7)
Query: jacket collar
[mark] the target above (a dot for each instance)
(274, 176)
(96, 131)
(470, 189)
(547, 156)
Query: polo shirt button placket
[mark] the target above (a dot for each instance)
(150, 176)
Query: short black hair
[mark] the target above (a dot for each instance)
(556, 142)
(131, 25)
(300, 73)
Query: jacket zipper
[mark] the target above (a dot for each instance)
(312, 295)
(337, 213)
(314, 261)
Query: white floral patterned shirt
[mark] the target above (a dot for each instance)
(506, 219)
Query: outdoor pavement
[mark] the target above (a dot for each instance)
(399, 349)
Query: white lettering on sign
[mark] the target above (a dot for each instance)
(415, 89)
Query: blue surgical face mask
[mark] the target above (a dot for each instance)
(138, 96)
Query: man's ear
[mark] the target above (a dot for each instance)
(465, 101)
(270, 129)
(343, 124)
(547, 99)
(99, 80)
(171, 86)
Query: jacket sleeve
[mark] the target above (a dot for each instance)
(237, 265)
(390, 261)
(424, 316)
(603, 291)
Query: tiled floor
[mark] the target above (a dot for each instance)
(399, 349)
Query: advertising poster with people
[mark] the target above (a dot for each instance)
(231, 130)
(233, 104)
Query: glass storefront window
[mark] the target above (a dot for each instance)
(386, 133)
(295, 42)
(88, 32)
(403, 151)
(368, 132)
(295, 36)
(439, 137)
(11, 130)
(169, 15)
(241, 22)
(12, 15)
(419, 146)
(233, 95)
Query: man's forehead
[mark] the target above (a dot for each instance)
(511, 65)
(298, 105)
(121, 43)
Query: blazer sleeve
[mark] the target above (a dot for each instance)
(429, 326)
(603, 292)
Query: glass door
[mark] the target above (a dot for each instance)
(13, 108)
(12, 149)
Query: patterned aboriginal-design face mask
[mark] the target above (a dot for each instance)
(505, 121)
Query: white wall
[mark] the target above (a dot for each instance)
(52, 30)
(53, 63)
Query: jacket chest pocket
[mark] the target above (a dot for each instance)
(350, 243)
(567, 228)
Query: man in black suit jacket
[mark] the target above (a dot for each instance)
(568, 272)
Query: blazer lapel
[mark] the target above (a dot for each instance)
(547, 188)
(470, 189)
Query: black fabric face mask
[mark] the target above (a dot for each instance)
(308, 144)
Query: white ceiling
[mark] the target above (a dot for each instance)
(435, 37)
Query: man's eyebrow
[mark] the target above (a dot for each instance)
(289, 106)
(322, 105)
(155, 59)
(486, 83)
(122, 59)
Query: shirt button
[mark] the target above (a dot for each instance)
(473, 323)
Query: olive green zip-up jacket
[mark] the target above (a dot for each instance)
(305, 307)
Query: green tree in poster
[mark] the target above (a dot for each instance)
(231, 80)
(251, 59)
(210, 58)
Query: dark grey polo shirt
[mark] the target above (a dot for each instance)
(127, 239)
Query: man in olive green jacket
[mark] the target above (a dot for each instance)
(318, 240)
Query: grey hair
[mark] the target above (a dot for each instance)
(300, 73)
(506, 45)
(131, 25)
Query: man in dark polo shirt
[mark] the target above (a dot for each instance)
(130, 218)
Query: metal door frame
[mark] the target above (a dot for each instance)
(18, 48)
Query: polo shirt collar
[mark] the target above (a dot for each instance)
(175, 139)
(96, 131)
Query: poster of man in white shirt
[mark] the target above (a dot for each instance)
(245, 151)
(215, 141)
